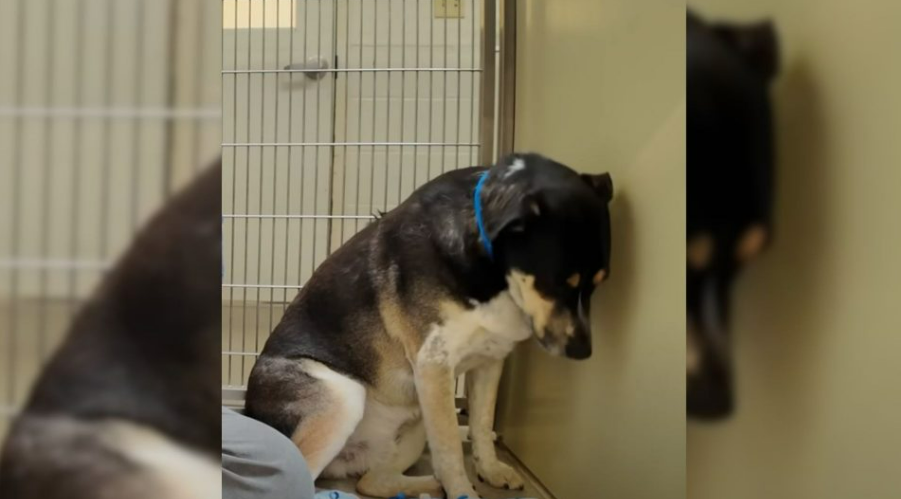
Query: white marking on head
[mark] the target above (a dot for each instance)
(517, 165)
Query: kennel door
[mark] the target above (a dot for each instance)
(333, 111)
(278, 107)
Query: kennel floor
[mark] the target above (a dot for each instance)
(533, 488)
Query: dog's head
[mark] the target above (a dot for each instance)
(729, 183)
(551, 233)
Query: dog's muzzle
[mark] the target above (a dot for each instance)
(574, 341)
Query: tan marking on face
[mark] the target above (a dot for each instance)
(751, 243)
(599, 277)
(700, 251)
(574, 280)
(539, 308)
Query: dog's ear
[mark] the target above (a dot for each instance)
(756, 43)
(601, 184)
(515, 216)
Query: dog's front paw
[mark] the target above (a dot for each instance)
(499, 475)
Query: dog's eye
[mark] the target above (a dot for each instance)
(574, 280)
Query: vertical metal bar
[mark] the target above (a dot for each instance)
(431, 82)
(76, 155)
(200, 32)
(171, 84)
(278, 52)
(136, 129)
(45, 177)
(247, 187)
(459, 92)
(231, 291)
(303, 155)
(16, 199)
(507, 80)
(416, 113)
(444, 102)
(333, 127)
(375, 84)
(316, 150)
(104, 180)
(290, 149)
(256, 322)
(359, 121)
(388, 109)
(473, 158)
(403, 101)
(489, 38)
(346, 112)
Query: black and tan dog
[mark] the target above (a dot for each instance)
(360, 371)
(129, 406)
(730, 189)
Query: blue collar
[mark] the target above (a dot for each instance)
(480, 223)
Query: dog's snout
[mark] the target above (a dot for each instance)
(710, 396)
(579, 345)
(578, 349)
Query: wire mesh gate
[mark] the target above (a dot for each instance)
(334, 110)
(106, 107)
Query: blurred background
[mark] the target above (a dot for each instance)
(815, 319)
(106, 108)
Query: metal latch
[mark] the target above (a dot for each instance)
(312, 68)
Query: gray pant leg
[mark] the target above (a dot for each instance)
(260, 463)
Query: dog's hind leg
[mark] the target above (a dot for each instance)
(387, 479)
(329, 418)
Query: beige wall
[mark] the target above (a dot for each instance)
(816, 318)
(601, 88)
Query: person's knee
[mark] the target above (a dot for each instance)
(259, 462)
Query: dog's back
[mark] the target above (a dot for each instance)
(371, 298)
(130, 400)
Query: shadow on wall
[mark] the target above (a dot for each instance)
(797, 261)
(612, 301)
(611, 317)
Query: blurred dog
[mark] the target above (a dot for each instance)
(129, 406)
(730, 189)
(360, 371)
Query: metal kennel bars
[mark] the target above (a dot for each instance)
(334, 110)
(106, 107)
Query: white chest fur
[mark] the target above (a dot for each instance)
(469, 337)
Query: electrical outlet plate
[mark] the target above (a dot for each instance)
(448, 9)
